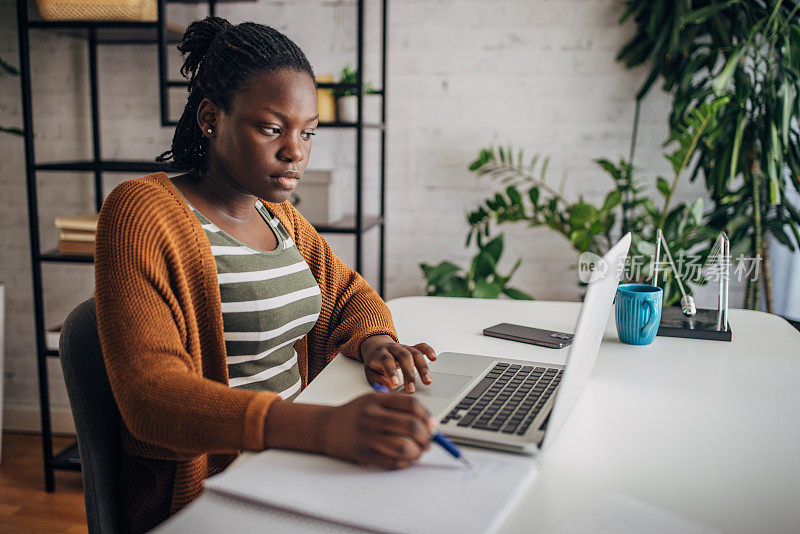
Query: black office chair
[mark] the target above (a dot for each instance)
(97, 419)
(792, 322)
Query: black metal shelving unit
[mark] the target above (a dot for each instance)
(162, 35)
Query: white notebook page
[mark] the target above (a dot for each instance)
(437, 494)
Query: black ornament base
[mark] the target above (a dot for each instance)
(702, 326)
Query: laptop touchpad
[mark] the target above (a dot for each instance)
(443, 385)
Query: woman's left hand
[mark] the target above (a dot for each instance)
(389, 363)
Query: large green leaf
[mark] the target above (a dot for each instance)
(598, 227)
(581, 239)
(516, 294)
(796, 233)
(543, 170)
(514, 195)
(436, 274)
(610, 168)
(494, 248)
(724, 79)
(581, 213)
(483, 265)
(676, 159)
(782, 237)
(457, 289)
(663, 186)
(534, 196)
(786, 116)
(487, 290)
(737, 145)
(612, 200)
(697, 210)
(646, 248)
(703, 14)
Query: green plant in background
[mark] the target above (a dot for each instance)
(13, 71)
(750, 51)
(481, 280)
(350, 76)
(526, 197)
(684, 228)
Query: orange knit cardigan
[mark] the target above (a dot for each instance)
(160, 325)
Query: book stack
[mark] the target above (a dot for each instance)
(326, 103)
(77, 234)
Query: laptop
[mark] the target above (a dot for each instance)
(517, 405)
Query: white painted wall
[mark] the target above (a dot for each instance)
(538, 74)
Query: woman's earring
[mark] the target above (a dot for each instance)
(210, 131)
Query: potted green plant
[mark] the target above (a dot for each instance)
(526, 197)
(347, 95)
(750, 51)
(481, 280)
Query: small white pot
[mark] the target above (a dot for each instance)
(347, 108)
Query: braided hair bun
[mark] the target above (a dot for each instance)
(219, 59)
(196, 42)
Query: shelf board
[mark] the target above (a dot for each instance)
(112, 32)
(86, 24)
(337, 124)
(320, 85)
(337, 85)
(134, 36)
(51, 353)
(206, 1)
(347, 225)
(104, 166)
(68, 459)
(54, 256)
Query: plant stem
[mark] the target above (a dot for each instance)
(629, 181)
(758, 235)
(684, 163)
(767, 277)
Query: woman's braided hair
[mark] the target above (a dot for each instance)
(220, 57)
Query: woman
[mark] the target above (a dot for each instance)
(215, 308)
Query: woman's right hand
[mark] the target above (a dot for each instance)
(387, 430)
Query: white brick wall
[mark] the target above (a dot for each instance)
(535, 74)
(538, 74)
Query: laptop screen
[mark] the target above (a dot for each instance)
(588, 333)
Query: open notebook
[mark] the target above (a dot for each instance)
(281, 490)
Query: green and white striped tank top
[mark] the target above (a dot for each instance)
(270, 299)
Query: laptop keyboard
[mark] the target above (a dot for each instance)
(507, 400)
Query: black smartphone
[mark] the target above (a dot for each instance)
(526, 334)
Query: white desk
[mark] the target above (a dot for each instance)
(704, 429)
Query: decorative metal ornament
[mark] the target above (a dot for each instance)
(687, 301)
(691, 322)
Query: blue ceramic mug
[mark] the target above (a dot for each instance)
(638, 313)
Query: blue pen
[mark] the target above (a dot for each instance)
(437, 437)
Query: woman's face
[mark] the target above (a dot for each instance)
(262, 145)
